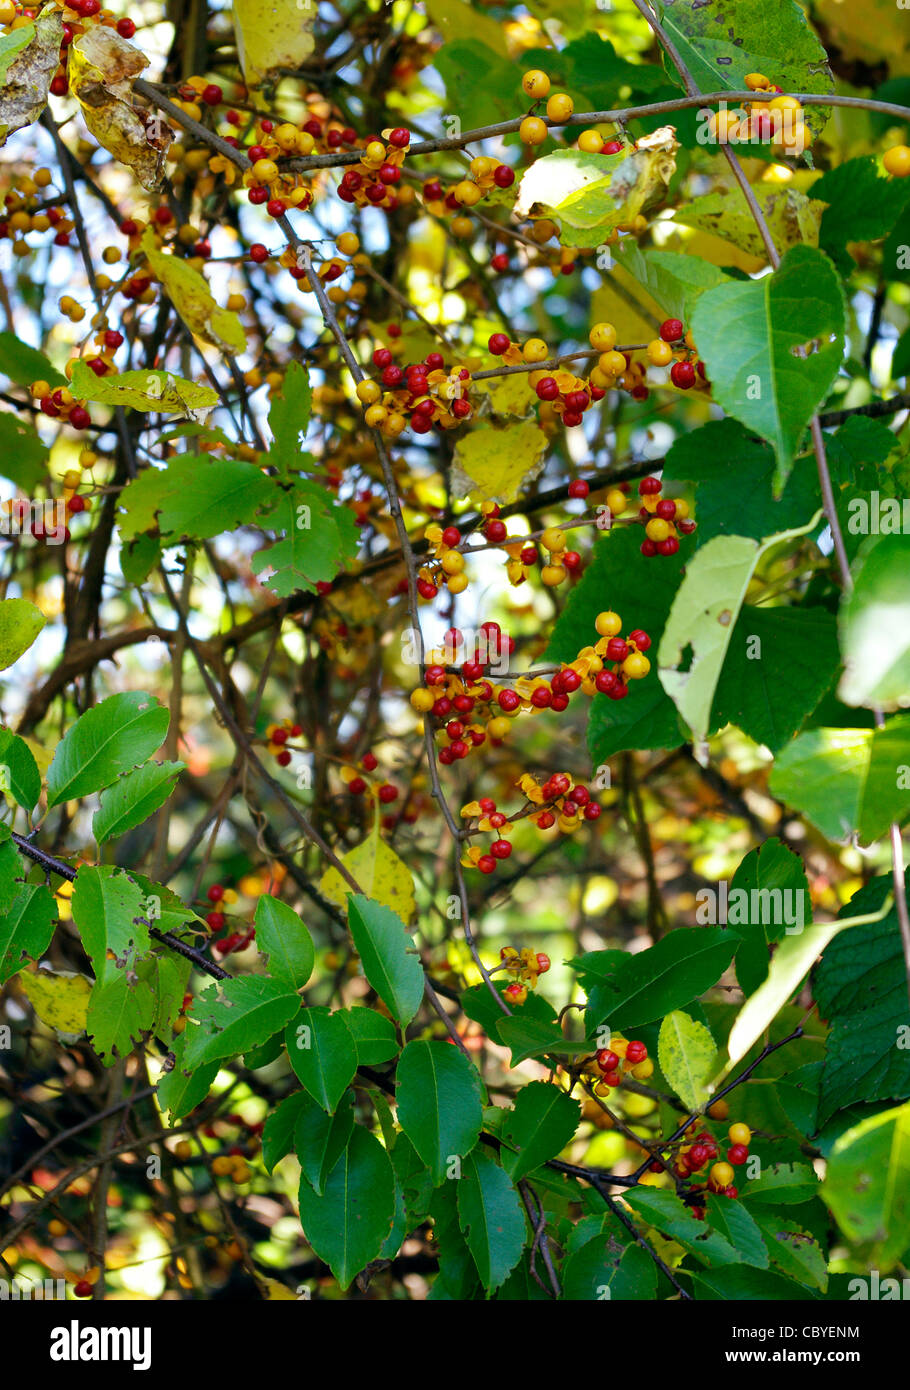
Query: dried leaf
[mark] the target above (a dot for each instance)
(102, 67)
(192, 298)
(28, 61)
(273, 34)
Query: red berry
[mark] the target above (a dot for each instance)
(80, 418)
(604, 681)
(737, 1154)
(578, 488)
(370, 762)
(486, 864)
(215, 920)
(499, 343)
(543, 962)
(547, 389)
(83, 1289)
(125, 28)
(571, 560)
(283, 758)
(607, 1060)
(501, 849)
(258, 252)
(592, 811)
(387, 792)
(682, 375)
(357, 786)
(649, 487)
(541, 697)
(668, 547)
(617, 649)
(671, 330)
(399, 137)
(640, 638)
(545, 820)
(76, 504)
(212, 95)
(636, 1052)
(495, 531)
(500, 261)
(648, 548)
(508, 700)
(503, 176)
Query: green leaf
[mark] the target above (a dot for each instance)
(602, 1269)
(12, 873)
(139, 557)
(527, 1037)
(864, 203)
(722, 449)
(20, 623)
(278, 1133)
(668, 975)
(145, 390)
(491, 1218)
(389, 957)
(760, 919)
(847, 781)
(669, 1214)
(289, 418)
(284, 941)
(646, 718)
(318, 538)
(108, 739)
(755, 375)
(26, 928)
(348, 1223)
(783, 1184)
(542, 1122)
(180, 1091)
(703, 617)
(773, 37)
(23, 364)
(236, 1015)
(322, 1053)
(196, 496)
(320, 1139)
(875, 626)
(133, 798)
(109, 910)
(730, 1219)
(793, 1250)
(439, 1104)
(23, 455)
(374, 1035)
(591, 194)
(673, 281)
(121, 1011)
(688, 1058)
(867, 1185)
(745, 1284)
(779, 663)
(861, 990)
(19, 770)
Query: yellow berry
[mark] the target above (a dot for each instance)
(535, 84)
(739, 1134)
(722, 1174)
(612, 363)
(617, 502)
(590, 142)
(348, 244)
(723, 126)
(453, 562)
(535, 350)
(499, 727)
(222, 1165)
(608, 624)
(551, 575)
(657, 529)
(265, 171)
(183, 1150)
(785, 103)
(368, 392)
(375, 415)
(553, 539)
(603, 337)
(643, 1070)
(532, 131)
(560, 107)
(467, 193)
(719, 1110)
(462, 227)
(659, 352)
(757, 82)
(55, 1227)
(897, 161)
(636, 666)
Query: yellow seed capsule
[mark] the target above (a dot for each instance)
(376, 415)
(659, 352)
(636, 666)
(590, 142)
(757, 82)
(532, 131)
(462, 227)
(739, 1134)
(499, 727)
(608, 624)
(560, 107)
(348, 244)
(897, 161)
(657, 529)
(453, 562)
(553, 539)
(723, 127)
(368, 391)
(617, 501)
(422, 700)
(612, 363)
(222, 1165)
(551, 575)
(535, 350)
(536, 84)
(603, 337)
(467, 193)
(457, 583)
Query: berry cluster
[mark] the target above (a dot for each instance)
(772, 118)
(621, 1057)
(694, 1156)
(665, 519)
(526, 966)
(215, 921)
(554, 802)
(357, 784)
(371, 182)
(422, 394)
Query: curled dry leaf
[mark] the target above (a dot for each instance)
(102, 67)
(28, 61)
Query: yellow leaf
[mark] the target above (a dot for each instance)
(457, 20)
(272, 34)
(59, 999)
(276, 1291)
(792, 217)
(508, 395)
(102, 67)
(380, 874)
(151, 390)
(192, 298)
(28, 60)
(493, 465)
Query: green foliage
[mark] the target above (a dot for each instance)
(109, 739)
